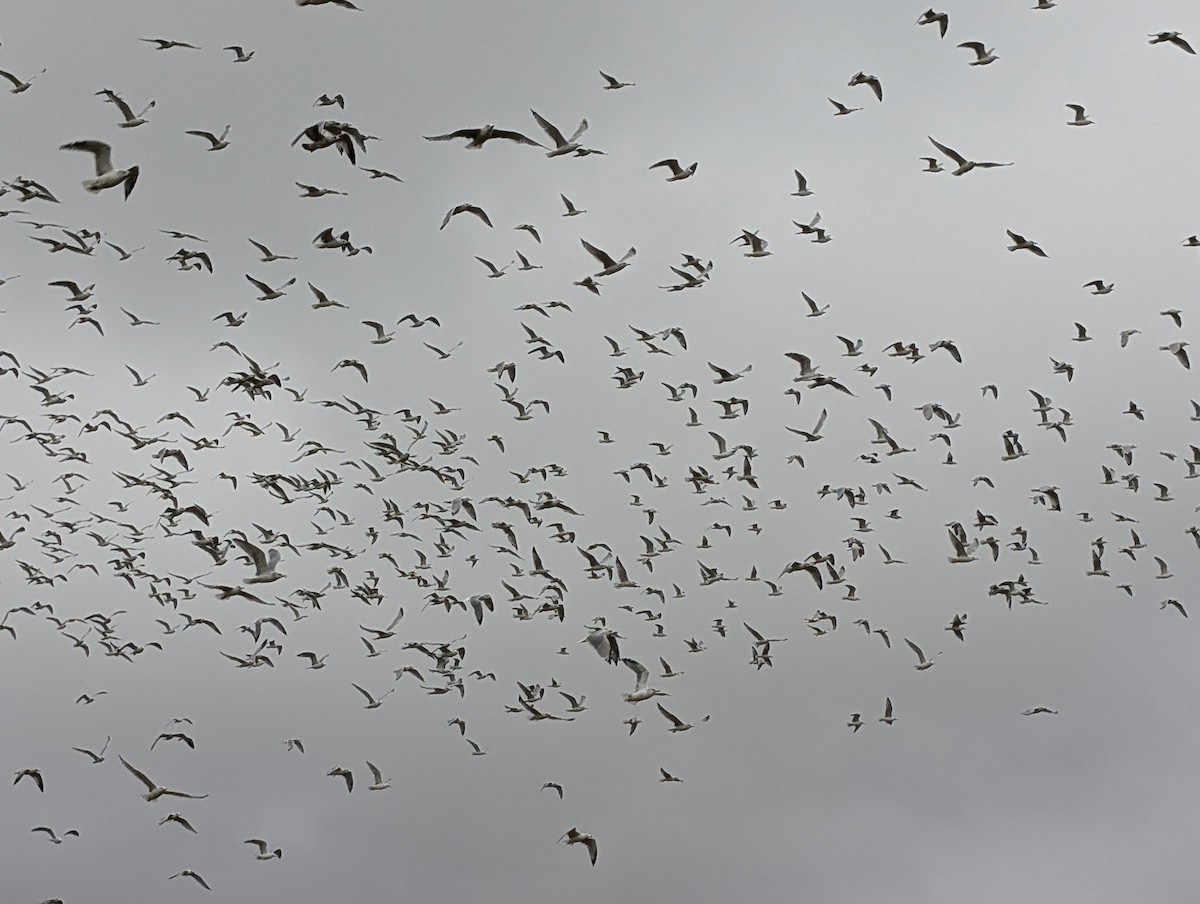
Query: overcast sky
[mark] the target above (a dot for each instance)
(962, 797)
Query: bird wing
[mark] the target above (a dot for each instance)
(98, 149)
(602, 256)
(949, 152)
(549, 128)
(141, 776)
(642, 673)
(912, 646)
(674, 719)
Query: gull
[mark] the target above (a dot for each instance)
(932, 165)
(476, 138)
(1176, 604)
(609, 265)
(678, 173)
(218, 144)
(495, 273)
(269, 294)
(372, 703)
(668, 777)
(380, 174)
(1179, 350)
(240, 53)
(1020, 243)
(964, 165)
(922, 662)
(311, 191)
(167, 43)
(326, 101)
(466, 208)
(95, 757)
(855, 722)
(129, 120)
(1081, 118)
(313, 661)
(345, 774)
(525, 264)
(861, 78)
(941, 20)
(35, 775)
(269, 256)
(381, 337)
(380, 784)
(263, 853)
(957, 625)
(53, 836)
(1099, 286)
(264, 563)
(1044, 4)
(983, 55)
(677, 724)
(18, 86)
(633, 724)
(1164, 571)
(613, 85)
(106, 175)
(813, 310)
(751, 240)
(802, 190)
(476, 750)
(138, 380)
(1171, 37)
(135, 320)
(155, 791)
(1080, 333)
(571, 836)
(344, 4)
(191, 874)
(887, 718)
(642, 677)
(77, 294)
(572, 210)
(1175, 314)
(1039, 709)
(179, 820)
(561, 145)
(554, 785)
(842, 109)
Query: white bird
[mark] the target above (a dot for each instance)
(18, 86)
(609, 265)
(1020, 243)
(1081, 118)
(1171, 37)
(218, 144)
(929, 17)
(964, 165)
(571, 836)
(678, 173)
(476, 138)
(269, 294)
(372, 703)
(153, 790)
(922, 662)
(613, 84)
(129, 120)
(106, 175)
(380, 783)
(264, 563)
(190, 873)
(983, 55)
(263, 853)
(802, 190)
(562, 145)
(53, 836)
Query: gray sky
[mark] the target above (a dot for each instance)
(961, 796)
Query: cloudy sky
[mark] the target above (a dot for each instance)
(961, 796)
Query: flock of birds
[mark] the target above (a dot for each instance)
(122, 497)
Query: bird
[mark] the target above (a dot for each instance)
(887, 718)
(477, 138)
(19, 86)
(983, 55)
(841, 109)
(128, 119)
(1171, 37)
(609, 265)
(345, 774)
(106, 175)
(922, 662)
(263, 853)
(573, 836)
(190, 873)
(269, 294)
(168, 44)
(153, 790)
(217, 143)
(612, 84)
(466, 208)
(1081, 118)
(678, 173)
(964, 165)
(1020, 243)
(930, 17)
(35, 775)
(239, 53)
(555, 786)
(562, 146)
(871, 81)
(378, 782)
